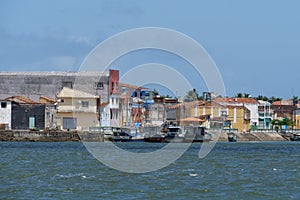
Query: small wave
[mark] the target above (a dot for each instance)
(193, 175)
(69, 175)
(189, 170)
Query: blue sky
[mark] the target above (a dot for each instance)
(255, 44)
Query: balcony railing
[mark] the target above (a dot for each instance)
(262, 114)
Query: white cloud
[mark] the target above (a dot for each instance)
(81, 40)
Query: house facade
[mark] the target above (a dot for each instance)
(249, 103)
(264, 115)
(235, 117)
(23, 114)
(297, 118)
(77, 110)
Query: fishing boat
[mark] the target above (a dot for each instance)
(197, 134)
(120, 135)
(154, 138)
(174, 134)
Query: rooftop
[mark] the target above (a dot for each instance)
(71, 93)
(54, 73)
(235, 100)
(21, 100)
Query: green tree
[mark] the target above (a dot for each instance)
(273, 99)
(246, 95)
(284, 122)
(192, 95)
(261, 97)
(239, 95)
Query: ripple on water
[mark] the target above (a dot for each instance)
(68, 171)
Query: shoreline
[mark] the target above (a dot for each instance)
(75, 136)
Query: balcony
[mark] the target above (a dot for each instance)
(264, 115)
(247, 116)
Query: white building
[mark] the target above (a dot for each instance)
(5, 115)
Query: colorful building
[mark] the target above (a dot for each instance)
(234, 117)
(297, 118)
(249, 103)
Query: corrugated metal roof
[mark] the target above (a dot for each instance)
(55, 73)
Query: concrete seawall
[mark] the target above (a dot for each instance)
(37, 136)
(247, 137)
(74, 136)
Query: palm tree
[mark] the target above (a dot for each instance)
(191, 95)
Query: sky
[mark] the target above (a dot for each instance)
(255, 44)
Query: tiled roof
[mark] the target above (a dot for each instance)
(21, 100)
(187, 104)
(235, 100)
(48, 99)
(276, 103)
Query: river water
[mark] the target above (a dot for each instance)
(230, 171)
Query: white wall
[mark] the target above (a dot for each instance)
(105, 116)
(253, 112)
(5, 115)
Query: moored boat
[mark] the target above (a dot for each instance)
(295, 137)
(197, 134)
(232, 137)
(174, 134)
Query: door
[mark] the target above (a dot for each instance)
(69, 123)
(31, 122)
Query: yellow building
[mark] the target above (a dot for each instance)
(297, 118)
(237, 117)
(77, 110)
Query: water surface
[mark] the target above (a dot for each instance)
(230, 171)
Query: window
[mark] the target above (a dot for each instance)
(99, 85)
(85, 104)
(3, 104)
(112, 100)
(112, 85)
(67, 84)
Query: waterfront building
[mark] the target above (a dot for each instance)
(33, 85)
(156, 111)
(234, 116)
(297, 118)
(281, 111)
(249, 103)
(26, 114)
(77, 110)
(264, 114)
(131, 104)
